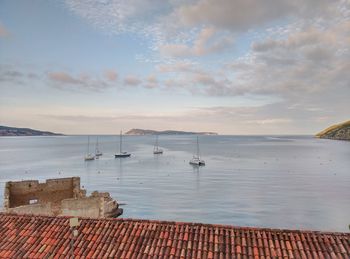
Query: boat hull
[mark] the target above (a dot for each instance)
(122, 155)
(197, 163)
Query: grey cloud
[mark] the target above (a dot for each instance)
(33, 76)
(111, 75)
(65, 78)
(233, 15)
(132, 80)
(306, 37)
(241, 15)
(9, 74)
(319, 54)
(309, 61)
(151, 82)
(178, 66)
(165, 23)
(66, 81)
(15, 75)
(208, 41)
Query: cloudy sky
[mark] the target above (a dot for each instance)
(229, 66)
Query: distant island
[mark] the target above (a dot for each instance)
(339, 132)
(12, 131)
(166, 132)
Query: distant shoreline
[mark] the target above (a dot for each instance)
(143, 132)
(6, 131)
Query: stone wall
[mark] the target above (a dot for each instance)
(53, 190)
(58, 197)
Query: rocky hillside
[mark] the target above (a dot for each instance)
(11, 131)
(165, 132)
(339, 131)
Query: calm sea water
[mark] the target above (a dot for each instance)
(294, 182)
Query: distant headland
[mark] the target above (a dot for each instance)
(166, 132)
(12, 131)
(339, 131)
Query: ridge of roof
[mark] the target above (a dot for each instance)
(171, 222)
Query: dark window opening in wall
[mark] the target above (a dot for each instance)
(33, 201)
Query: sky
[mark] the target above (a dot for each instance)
(227, 66)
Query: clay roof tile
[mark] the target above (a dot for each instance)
(42, 237)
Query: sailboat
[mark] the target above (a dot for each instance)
(88, 155)
(156, 149)
(121, 153)
(97, 151)
(196, 160)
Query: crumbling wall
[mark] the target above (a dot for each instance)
(58, 197)
(53, 190)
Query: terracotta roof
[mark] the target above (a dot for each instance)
(41, 237)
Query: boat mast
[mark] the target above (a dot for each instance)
(96, 144)
(88, 147)
(120, 142)
(157, 142)
(197, 148)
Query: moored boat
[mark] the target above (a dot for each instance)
(121, 153)
(156, 149)
(89, 156)
(196, 160)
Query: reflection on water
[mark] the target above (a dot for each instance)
(270, 181)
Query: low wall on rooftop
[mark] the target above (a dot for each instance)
(34, 209)
(84, 207)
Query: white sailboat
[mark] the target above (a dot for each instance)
(156, 149)
(121, 153)
(88, 155)
(97, 150)
(196, 160)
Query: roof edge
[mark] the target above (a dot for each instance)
(183, 223)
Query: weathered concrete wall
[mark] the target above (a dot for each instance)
(53, 190)
(83, 207)
(35, 209)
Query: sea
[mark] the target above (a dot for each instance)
(288, 182)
